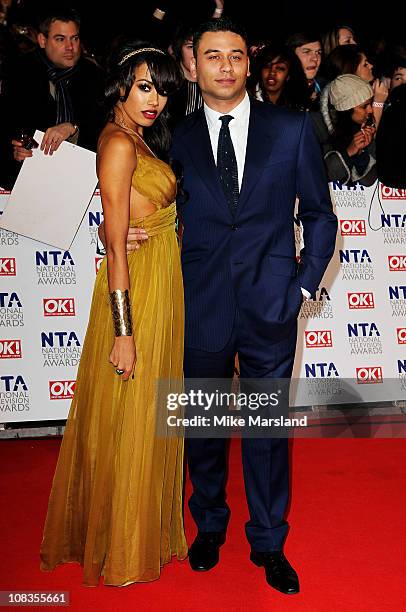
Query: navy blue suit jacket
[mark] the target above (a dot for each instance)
(249, 262)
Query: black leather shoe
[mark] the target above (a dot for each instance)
(279, 572)
(204, 552)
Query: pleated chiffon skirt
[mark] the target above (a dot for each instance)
(116, 500)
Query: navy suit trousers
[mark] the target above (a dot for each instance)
(265, 461)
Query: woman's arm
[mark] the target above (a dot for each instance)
(116, 164)
(380, 96)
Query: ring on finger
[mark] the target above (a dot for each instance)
(119, 372)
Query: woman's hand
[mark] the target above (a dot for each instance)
(123, 355)
(361, 140)
(380, 91)
(369, 134)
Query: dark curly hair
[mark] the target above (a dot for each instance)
(166, 77)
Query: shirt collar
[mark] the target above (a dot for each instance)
(241, 111)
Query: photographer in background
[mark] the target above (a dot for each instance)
(53, 89)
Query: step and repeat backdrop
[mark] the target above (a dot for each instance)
(352, 336)
(351, 340)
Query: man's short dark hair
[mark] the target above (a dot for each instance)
(302, 38)
(218, 25)
(62, 14)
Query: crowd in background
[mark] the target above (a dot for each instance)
(354, 89)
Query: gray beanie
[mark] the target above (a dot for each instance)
(348, 91)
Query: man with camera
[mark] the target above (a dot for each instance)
(54, 89)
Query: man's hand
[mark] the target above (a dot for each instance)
(55, 135)
(19, 152)
(135, 236)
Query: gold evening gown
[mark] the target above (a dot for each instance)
(116, 500)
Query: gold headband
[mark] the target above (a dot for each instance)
(144, 49)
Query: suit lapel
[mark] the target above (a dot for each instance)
(259, 147)
(200, 150)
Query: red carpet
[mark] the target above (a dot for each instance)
(347, 539)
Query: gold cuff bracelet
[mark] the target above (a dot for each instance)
(121, 312)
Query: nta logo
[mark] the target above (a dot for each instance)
(394, 220)
(14, 383)
(396, 292)
(363, 330)
(10, 300)
(53, 258)
(360, 256)
(95, 218)
(321, 370)
(59, 339)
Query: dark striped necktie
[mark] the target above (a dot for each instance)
(227, 164)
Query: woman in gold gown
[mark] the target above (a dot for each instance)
(116, 500)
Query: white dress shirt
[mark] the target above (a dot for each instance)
(238, 131)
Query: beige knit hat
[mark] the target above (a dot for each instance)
(348, 91)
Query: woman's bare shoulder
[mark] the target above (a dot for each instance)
(113, 139)
(116, 152)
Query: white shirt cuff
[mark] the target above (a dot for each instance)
(306, 294)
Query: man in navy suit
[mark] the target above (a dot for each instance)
(243, 286)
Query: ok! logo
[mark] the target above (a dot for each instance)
(321, 338)
(10, 349)
(61, 389)
(353, 227)
(392, 193)
(8, 266)
(401, 335)
(361, 299)
(59, 307)
(369, 375)
(397, 263)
